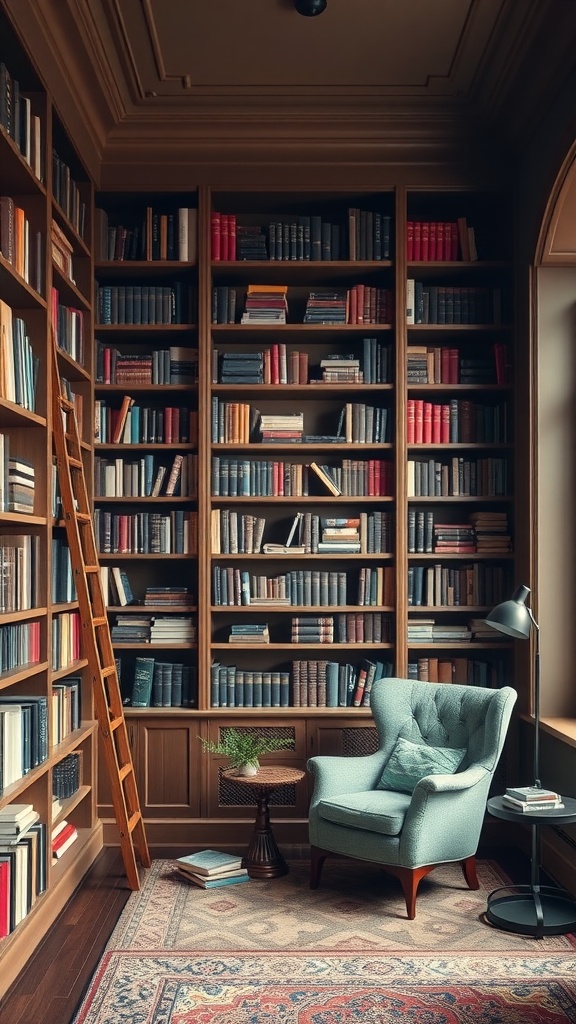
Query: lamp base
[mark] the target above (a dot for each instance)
(528, 910)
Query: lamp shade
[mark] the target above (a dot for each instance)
(513, 617)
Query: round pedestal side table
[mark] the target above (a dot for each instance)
(263, 858)
(533, 909)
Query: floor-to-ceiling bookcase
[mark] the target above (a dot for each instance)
(385, 354)
(47, 727)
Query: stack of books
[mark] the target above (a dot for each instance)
(168, 596)
(210, 869)
(341, 369)
(340, 535)
(172, 629)
(326, 306)
(15, 820)
(265, 304)
(249, 633)
(492, 532)
(242, 368)
(64, 834)
(282, 427)
(535, 799)
(313, 629)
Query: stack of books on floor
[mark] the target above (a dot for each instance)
(535, 799)
(210, 869)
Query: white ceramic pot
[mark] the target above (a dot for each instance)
(249, 769)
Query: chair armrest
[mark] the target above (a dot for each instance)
(453, 783)
(333, 775)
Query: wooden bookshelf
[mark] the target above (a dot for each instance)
(39, 658)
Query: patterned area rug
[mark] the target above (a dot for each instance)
(273, 952)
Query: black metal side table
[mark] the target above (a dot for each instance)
(533, 909)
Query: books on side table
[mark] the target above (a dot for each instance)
(210, 869)
(526, 799)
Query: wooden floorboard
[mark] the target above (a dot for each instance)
(54, 981)
(56, 977)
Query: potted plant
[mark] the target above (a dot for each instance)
(244, 749)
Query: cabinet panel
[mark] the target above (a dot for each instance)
(168, 768)
(341, 738)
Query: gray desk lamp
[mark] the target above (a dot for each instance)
(515, 618)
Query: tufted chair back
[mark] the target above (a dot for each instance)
(441, 716)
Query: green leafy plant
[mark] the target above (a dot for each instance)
(243, 747)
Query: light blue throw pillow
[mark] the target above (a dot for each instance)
(409, 762)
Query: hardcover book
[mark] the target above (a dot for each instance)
(210, 862)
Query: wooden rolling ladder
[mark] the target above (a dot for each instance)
(96, 631)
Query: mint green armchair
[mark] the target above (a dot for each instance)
(365, 807)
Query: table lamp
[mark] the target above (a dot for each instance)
(515, 618)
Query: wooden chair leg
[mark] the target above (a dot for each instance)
(317, 858)
(410, 879)
(469, 870)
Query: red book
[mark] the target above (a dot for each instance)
(215, 236)
(410, 240)
(302, 367)
(4, 898)
(454, 240)
(275, 364)
(223, 236)
(417, 240)
(445, 424)
(436, 428)
(432, 230)
(427, 423)
(168, 428)
(418, 420)
(359, 289)
(454, 366)
(231, 236)
(439, 240)
(360, 684)
(425, 240)
(445, 366)
(447, 248)
(353, 306)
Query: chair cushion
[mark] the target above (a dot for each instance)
(373, 811)
(409, 762)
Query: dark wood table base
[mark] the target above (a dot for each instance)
(263, 858)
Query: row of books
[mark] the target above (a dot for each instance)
(146, 477)
(235, 533)
(442, 586)
(459, 421)
(19, 572)
(158, 683)
(357, 477)
(458, 477)
(154, 629)
(142, 304)
(145, 424)
(440, 364)
(440, 241)
(68, 193)
(20, 244)
(146, 533)
(23, 735)
(66, 639)
(304, 683)
(67, 776)
(68, 326)
(62, 251)
(452, 304)
(233, 587)
(281, 364)
(63, 584)
(23, 863)
(155, 234)
(427, 630)
(22, 123)
(19, 645)
(19, 365)
(16, 480)
(485, 532)
(66, 707)
(344, 628)
(464, 670)
(170, 366)
(358, 235)
(360, 304)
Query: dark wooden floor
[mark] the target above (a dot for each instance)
(54, 981)
(50, 988)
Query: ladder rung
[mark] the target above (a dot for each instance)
(134, 820)
(91, 568)
(82, 517)
(74, 463)
(100, 621)
(108, 671)
(115, 723)
(124, 771)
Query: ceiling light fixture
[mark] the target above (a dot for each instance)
(310, 8)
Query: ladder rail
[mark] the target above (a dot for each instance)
(97, 642)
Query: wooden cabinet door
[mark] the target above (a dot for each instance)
(167, 767)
